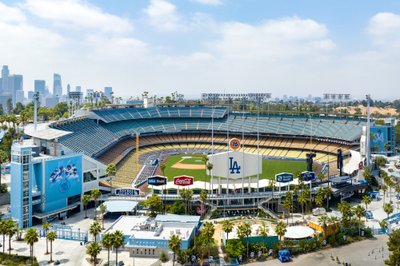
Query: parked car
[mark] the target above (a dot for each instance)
(369, 215)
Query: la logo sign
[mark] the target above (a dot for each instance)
(234, 166)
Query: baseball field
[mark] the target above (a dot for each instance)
(193, 165)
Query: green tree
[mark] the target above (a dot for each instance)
(323, 221)
(327, 196)
(118, 241)
(103, 209)
(394, 248)
(227, 227)
(85, 201)
(302, 199)
(46, 226)
(203, 199)
(388, 208)
(345, 208)
(111, 170)
(208, 232)
(11, 231)
(95, 193)
(93, 250)
(234, 248)
(201, 247)
(280, 229)
(244, 230)
(263, 231)
(186, 195)
(154, 204)
(359, 212)
(366, 200)
(288, 204)
(162, 167)
(367, 175)
(3, 231)
(95, 230)
(31, 237)
(51, 236)
(178, 207)
(107, 242)
(3, 159)
(174, 244)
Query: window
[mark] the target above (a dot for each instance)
(25, 167)
(153, 251)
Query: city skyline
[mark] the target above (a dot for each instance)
(294, 48)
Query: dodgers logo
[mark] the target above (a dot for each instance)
(234, 166)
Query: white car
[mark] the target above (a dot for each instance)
(318, 211)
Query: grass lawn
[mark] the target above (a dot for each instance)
(196, 159)
(270, 168)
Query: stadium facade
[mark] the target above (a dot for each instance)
(62, 160)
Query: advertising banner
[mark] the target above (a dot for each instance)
(127, 192)
(284, 177)
(308, 176)
(183, 180)
(63, 179)
(157, 180)
(379, 137)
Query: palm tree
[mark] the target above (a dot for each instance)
(107, 242)
(94, 230)
(31, 237)
(388, 208)
(203, 198)
(3, 231)
(345, 208)
(95, 193)
(186, 195)
(118, 241)
(227, 227)
(366, 200)
(174, 244)
(51, 236)
(111, 170)
(11, 231)
(323, 221)
(85, 200)
(263, 231)
(244, 230)
(287, 204)
(3, 159)
(359, 211)
(384, 188)
(208, 231)
(103, 209)
(280, 229)
(333, 220)
(302, 199)
(162, 167)
(46, 226)
(210, 166)
(93, 249)
(327, 196)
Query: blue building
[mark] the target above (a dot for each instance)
(47, 179)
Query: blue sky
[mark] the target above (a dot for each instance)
(293, 47)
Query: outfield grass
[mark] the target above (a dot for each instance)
(270, 168)
(196, 159)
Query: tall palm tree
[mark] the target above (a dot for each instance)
(3, 231)
(333, 220)
(94, 230)
(227, 227)
(162, 167)
(287, 204)
(111, 170)
(209, 167)
(359, 212)
(95, 193)
(263, 231)
(186, 195)
(46, 226)
(107, 242)
(280, 229)
(103, 209)
(51, 236)
(11, 231)
(118, 241)
(174, 244)
(203, 199)
(244, 230)
(3, 159)
(31, 237)
(93, 249)
(366, 200)
(205, 160)
(388, 208)
(327, 196)
(384, 188)
(85, 201)
(302, 199)
(208, 231)
(323, 221)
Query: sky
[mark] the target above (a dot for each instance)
(285, 47)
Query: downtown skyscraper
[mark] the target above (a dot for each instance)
(57, 85)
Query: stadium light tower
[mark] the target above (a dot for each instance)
(35, 107)
(368, 144)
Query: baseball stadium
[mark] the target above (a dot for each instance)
(174, 141)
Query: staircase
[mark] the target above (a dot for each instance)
(267, 210)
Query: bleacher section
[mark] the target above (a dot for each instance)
(94, 137)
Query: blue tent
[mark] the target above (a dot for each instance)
(284, 255)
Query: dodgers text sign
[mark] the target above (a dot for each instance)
(235, 164)
(157, 180)
(126, 192)
(284, 177)
(183, 180)
(308, 176)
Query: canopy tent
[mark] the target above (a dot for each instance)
(119, 206)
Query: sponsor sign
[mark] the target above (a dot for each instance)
(126, 192)
(234, 144)
(308, 176)
(284, 177)
(157, 180)
(183, 180)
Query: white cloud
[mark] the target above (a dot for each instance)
(79, 14)
(163, 15)
(210, 2)
(385, 29)
(11, 14)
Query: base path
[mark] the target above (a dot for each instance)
(180, 165)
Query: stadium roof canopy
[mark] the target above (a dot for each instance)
(120, 206)
(43, 131)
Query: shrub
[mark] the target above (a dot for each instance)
(164, 257)
(15, 260)
(3, 188)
